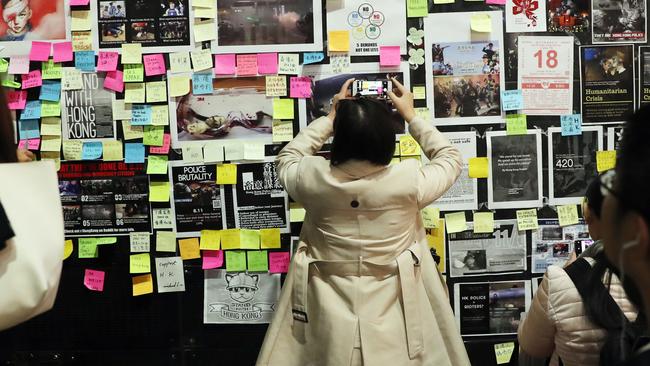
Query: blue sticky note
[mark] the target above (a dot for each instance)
(512, 100)
(141, 114)
(51, 90)
(91, 150)
(202, 83)
(84, 60)
(28, 129)
(32, 110)
(134, 152)
(571, 124)
(312, 57)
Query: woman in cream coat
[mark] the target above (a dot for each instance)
(363, 288)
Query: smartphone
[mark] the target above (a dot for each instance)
(374, 89)
(581, 245)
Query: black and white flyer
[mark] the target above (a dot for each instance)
(515, 172)
(87, 114)
(260, 200)
(501, 251)
(644, 76)
(618, 21)
(197, 200)
(572, 163)
(614, 137)
(490, 308)
(104, 198)
(157, 25)
(239, 298)
(553, 244)
(462, 194)
(607, 82)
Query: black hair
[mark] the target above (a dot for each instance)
(363, 130)
(594, 197)
(633, 165)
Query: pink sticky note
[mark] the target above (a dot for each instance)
(79, 2)
(279, 262)
(32, 79)
(114, 81)
(63, 52)
(107, 61)
(300, 87)
(22, 144)
(224, 64)
(16, 99)
(40, 51)
(33, 144)
(267, 63)
(164, 149)
(94, 280)
(389, 55)
(496, 2)
(212, 259)
(19, 64)
(154, 64)
(246, 65)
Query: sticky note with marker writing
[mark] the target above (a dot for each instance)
(516, 124)
(157, 164)
(527, 220)
(279, 262)
(512, 100)
(107, 61)
(568, 215)
(140, 263)
(605, 160)
(154, 64)
(312, 57)
(94, 280)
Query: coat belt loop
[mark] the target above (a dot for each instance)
(412, 319)
(299, 289)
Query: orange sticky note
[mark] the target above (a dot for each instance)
(142, 285)
(189, 248)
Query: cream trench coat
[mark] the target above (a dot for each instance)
(363, 277)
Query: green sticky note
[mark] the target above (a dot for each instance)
(503, 352)
(51, 70)
(157, 164)
(456, 222)
(159, 192)
(133, 73)
(106, 240)
(165, 241)
(10, 83)
(50, 109)
(4, 65)
(417, 8)
(516, 124)
(282, 108)
(87, 248)
(140, 263)
(153, 135)
(258, 261)
(235, 261)
(250, 239)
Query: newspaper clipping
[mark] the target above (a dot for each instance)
(461, 195)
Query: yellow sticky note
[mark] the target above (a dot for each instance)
(50, 109)
(568, 215)
(282, 131)
(51, 126)
(134, 93)
(205, 31)
(605, 160)
(527, 220)
(296, 212)
(165, 241)
(483, 222)
(456, 222)
(142, 284)
(210, 240)
(250, 239)
(408, 146)
(131, 132)
(419, 92)
(207, 13)
(227, 174)
(80, 20)
(160, 115)
(276, 86)
(180, 62)
(157, 164)
(112, 150)
(72, 149)
(189, 248)
(201, 59)
(156, 91)
(51, 144)
(54, 156)
(338, 41)
(179, 85)
(230, 239)
(68, 247)
(503, 352)
(430, 216)
(282, 108)
(203, 4)
(424, 113)
(159, 192)
(254, 151)
(478, 167)
(140, 263)
(82, 41)
(481, 22)
(131, 53)
(270, 238)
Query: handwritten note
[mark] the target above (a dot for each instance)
(16, 99)
(157, 164)
(94, 280)
(162, 218)
(456, 222)
(179, 62)
(164, 149)
(312, 57)
(141, 114)
(134, 93)
(408, 146)
(19, 64)
(140, 242)
(276, 86)
(568, 215)
(112, 150)
(170, 275)
(154, 64)
(571, 124)
(213, 154)
(50, 90)
(142, 284)
(289, 63)
(246, 65)
(282, 131)
(235, 261)
(85, 60)
(32, 79)
(483, 222)
(478, 167)
(516, 124)
(300, 87)
(212, 259)
(156, 91)
(512, 100)
(503, 352)
(225, 64)
(430, 217)
(605, 160)
(527, 220)
(205, 31)
(279, 262)
(91, 150)
(107, 61)
(340, 62)
(140, 263)
(51, 70)
(201, 59)
(133, 73)
(72, 149)
(202, 83)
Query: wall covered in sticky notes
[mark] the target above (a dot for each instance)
(164, 118)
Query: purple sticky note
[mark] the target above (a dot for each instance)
(63, 52)
(267, 63)
(246, 65)
(224, 64)
(212, 259)
(279, 262)
(107, 61)
(389, 56)
(94, 280)
(19, 64)
(300, 87)
(17, 99)
(154, 64)
(32, 79)
(40, 51)
(164, 149)
(114, 81)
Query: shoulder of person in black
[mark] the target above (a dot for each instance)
(642, 357)
(6, 232)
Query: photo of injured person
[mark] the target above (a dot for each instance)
(237, 109)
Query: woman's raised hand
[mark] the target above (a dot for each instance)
(344, 93)
(402, 100)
